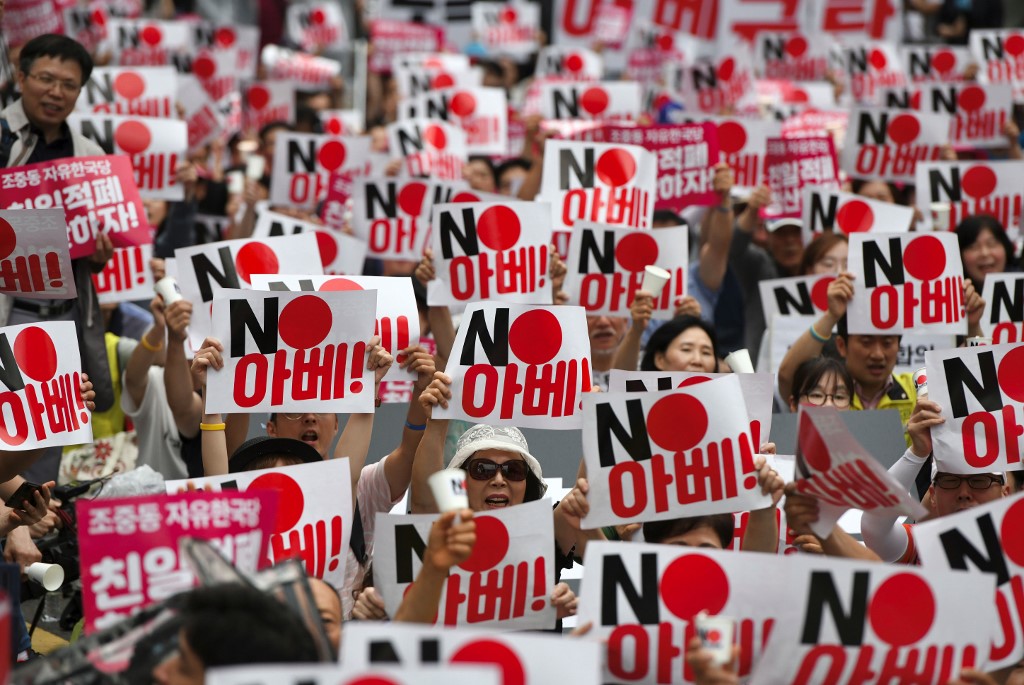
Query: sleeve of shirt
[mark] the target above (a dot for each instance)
(373, 493)
(705, 296)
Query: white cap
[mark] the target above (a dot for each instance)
(508, 438)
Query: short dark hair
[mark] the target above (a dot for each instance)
(722, 524)
(969, 230)
(485, 160)
(667, 216)
(668, 332)
(809, 373)
(513, 163)
(271, 126)
(234, 624)
(58, 47)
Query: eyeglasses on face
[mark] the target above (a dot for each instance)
(818, 398)
(485, 469)
(48, 81)
(978, 481)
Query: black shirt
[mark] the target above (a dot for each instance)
(61, 147)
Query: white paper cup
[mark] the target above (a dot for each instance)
(50, 576)
(655, 279)
(449, 488)
(255, 166)
(715, 634)
(940, 215)
(739, 362)
(236, 182)
(168, 289)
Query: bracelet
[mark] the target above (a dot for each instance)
(414, 427)
(723, 210)
(212, 426)
(817, 336)
(150, 346)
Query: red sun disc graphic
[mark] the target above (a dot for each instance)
(636, 250)
(904, 128)
(491, 546)
(204, 67)
(694, 583)
(35, 354)
(492, 652)
(498, 227)
(732, 137)
(463, 104)
(819, 293)
(331, 155)
(1011, 380)
(328, 248)
(129, 85)
(411, 197)
(943, 61)
(615, 167)
(796, 46)
(855, 216)
(434, 136)
(289, 505)
(573, 62)
(677, 422)
(339, 284)
(535, 336)
(255, 258)
(925, 258)
(979, 181)
(902, 610)
(971, 98)
(305, 322)
(132, 136)
(151, 36)
(8, 239)
(594, 101)
(259, 97)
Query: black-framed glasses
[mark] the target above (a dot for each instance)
(48, 81)
(840, 398)
(977, 481)
(485, 469)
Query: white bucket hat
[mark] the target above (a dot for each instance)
(508, 438)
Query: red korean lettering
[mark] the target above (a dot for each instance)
(11, 405)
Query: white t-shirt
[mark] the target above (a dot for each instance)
(159, 441)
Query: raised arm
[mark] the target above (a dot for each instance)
(716, 231)
(214, 441)
(762, 532)
(399, 465)
(429, 457)
(354, 442)
(440, 318)
(450, 542)
(801, 510)
(185, 403)
(150, 350)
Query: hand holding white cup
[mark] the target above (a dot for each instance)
(739, 362)
(715, 634)
(449, 489)
(940, 215)
(654, 281)
(167, 288)
(50, 576)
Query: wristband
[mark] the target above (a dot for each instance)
(415, 427)
(817, 336)
(149, 346)
(212, 426)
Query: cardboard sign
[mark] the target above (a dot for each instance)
(576, 64)
(268, 101)
(293, 352)
(743, 143)
(444, 61)
(481, 112)
(340, 253)
(650, 47)
(591, 101)
(391, 38)
(207, 271)
(41, 374)
(644, 465)
(418, 79)
(397, 317)
(154, 146)
(606, 267)
(533, 658)
(1000, 56)
(826, 209)
(314, 520)
(129, 547)
(972, 188)
(713, 86)
(604, 183)
(816, 122)
(979, 112)
(23, 20)
(316, 26)
(796, 296)
(138, 91)
(793, 163)
(98, 195)
(642, 599)
(34, 258)
(519, 365)
(892, 621)
(392, 215)
(906, 282)
(428, 148)
(887, 144)
(126, 277)
(342, 122)
(509, 29)
(979, 391)
(303, 163)
(871, 67)
(86, 25)
(983, 540)
(505, 582)
(334, 674)
(833, 467)
(1003, 319)
(243, 42)
(490, 251)
(793, 56)
(147, 42)
(202, 115)
(935, 63)
(283, 64)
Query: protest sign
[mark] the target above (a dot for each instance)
(980, 394)
(481, 112)
(129, 547)
(870, 67)
(507, 28)
(715, 85)
(314, 520)
(505, 582)
(34, 258)
(428, 148)
(606, 266)
(519, 365)
(126, 277)
(86, 25)
(602, 100)
(888, 144)
(793, 163)
(970, 189)
(202, 115)
(935, 63)
(827, 209)
(575, 64)
(743, 143)
(414, 80)
(147, 42)
(999, 55)
(138, 91)
(42, 371)
(1003, 319)
(335, 674)
(316, 26)
(793, 56)
(342, 122)
(980, 112)
(391, 38)
(282, 64)
(906, 282)
(643, 464)
(23, 20)
(303, 163)
(796, 296)
(340, 253)
(98, 195)
(295, 352)
(243, 42)
(392, 215)
(267, 102)
(490, 251)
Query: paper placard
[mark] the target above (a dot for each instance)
(970, 189)
(34, 258)
(126, 277)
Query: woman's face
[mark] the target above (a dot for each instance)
(984, 256)
(691, 350)
(828, 391)
(877, 190)
(832, 262)
(497, 492)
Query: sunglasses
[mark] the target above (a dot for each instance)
(485, 469)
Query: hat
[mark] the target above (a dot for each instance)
(263, 445)
(484, 437)
(773, 225)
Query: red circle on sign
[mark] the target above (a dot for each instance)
(636, 251)
(615, 167)
(464, 196)
(494, 653)
(677, 422)
(925, 258)
(463, 104)
(259, 97)
(1014, 44)
(305, 322)
(535, 336)
(224, 36)
(732, 137)
(204, 67)
(1009, 532)
(410, 198)
(509, 15)
(594, 100)
(797, 95)
(1011, 380)
(694, 583)
(35, 354)
(339, 284)
(943, 60)
(819, 293)
(498, 227)
(855, 216)
(435, 137)
(971, 98)
(331, 155)
(289, 505)
(132, 136)
(255, 258)
(878, 60)
(665, 42)
(796, 46)
(714, 635)
(442, 81)
(333, 126)
(99, 17)
(8, 239)
(491, 546)
(316, 17)
(129, 85)
(904, 128)
(693, 380)
(574, 62)
(902, 610)
(372, 680)
(979, 181)
(812, 447)
(151, 35)
(328, 248)
(726, 69)
(915, 100)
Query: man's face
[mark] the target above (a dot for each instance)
(329, 605)
(317, 430)
(49, 90)
(946, 500)
(181, 668)
(606, 333)
(870, 359)
(786, 246)
(704, 537)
